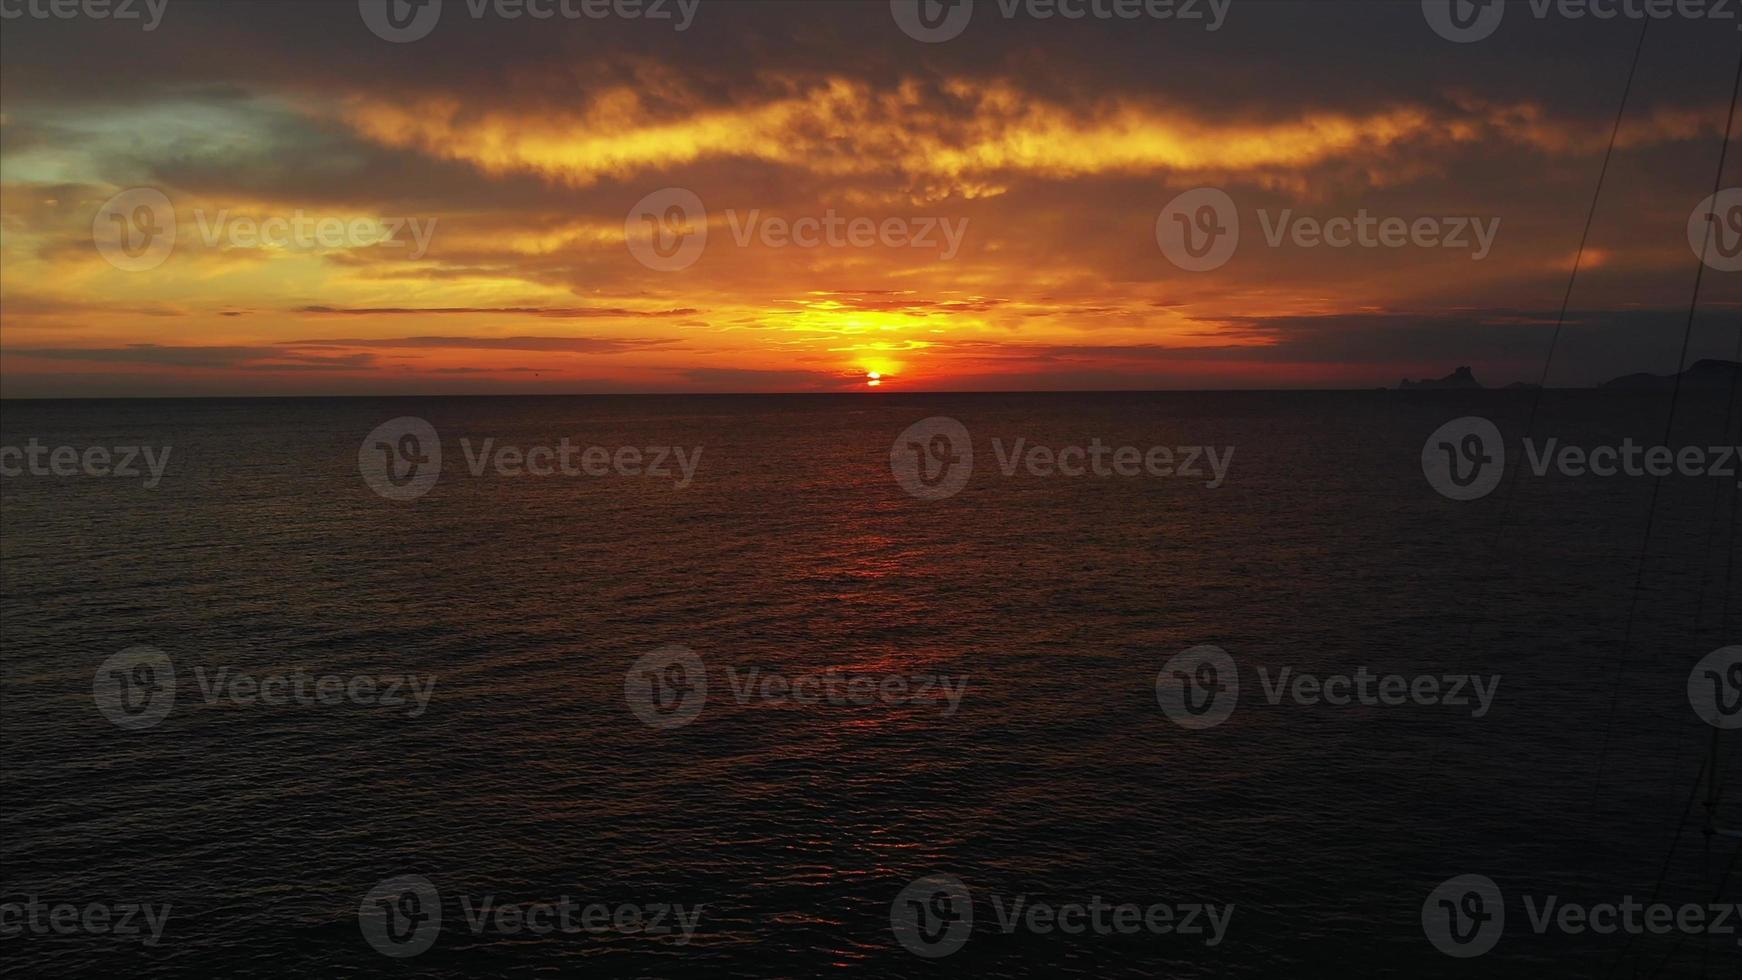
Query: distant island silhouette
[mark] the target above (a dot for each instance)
(1705, 375)
(1463, 377)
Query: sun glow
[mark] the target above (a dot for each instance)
(878, 370)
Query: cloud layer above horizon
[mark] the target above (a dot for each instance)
(456, 213)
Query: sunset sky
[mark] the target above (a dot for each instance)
(528, 143)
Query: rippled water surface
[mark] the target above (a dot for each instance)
(794, 826)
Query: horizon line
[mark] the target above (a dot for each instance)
(1504, 389)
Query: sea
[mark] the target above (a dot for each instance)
(879, 684)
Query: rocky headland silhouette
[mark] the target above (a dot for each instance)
(1710, 374)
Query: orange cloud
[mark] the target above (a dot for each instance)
(959, 137)
(964, 136)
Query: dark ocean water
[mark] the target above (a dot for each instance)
(530, 778)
